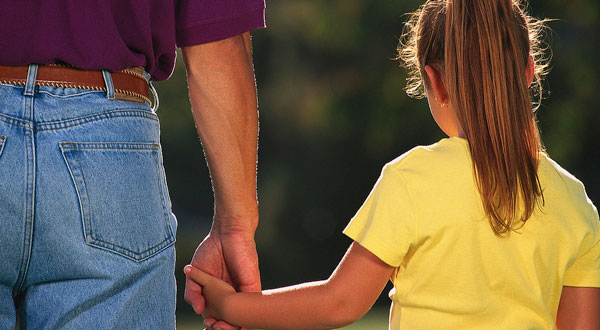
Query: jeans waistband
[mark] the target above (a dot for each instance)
(131, 84)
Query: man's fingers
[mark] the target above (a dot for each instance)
(223, 326)
(250, 288)
(193, 295)
(197, 275)
(213, 324)
(208, 322)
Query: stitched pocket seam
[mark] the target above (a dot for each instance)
(2, 143)
(87, 216)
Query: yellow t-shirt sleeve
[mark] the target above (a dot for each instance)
(585, 270)
(386, 224)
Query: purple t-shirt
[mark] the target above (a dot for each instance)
(116, 34)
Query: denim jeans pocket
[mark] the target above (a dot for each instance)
(122, 195)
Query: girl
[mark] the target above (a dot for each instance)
(481, 230)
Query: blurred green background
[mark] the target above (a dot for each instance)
(333, 112)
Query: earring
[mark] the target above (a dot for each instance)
(442, 104)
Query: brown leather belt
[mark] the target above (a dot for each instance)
(130, 84)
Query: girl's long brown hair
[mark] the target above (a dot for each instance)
(482, 49)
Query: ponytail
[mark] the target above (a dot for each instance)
(483, 49)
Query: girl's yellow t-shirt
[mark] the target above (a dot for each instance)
(425, 217)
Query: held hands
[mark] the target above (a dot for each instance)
(215, 292)
(229, 255)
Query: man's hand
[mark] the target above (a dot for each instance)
(230, 256)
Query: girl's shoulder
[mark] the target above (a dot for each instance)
(549, 167)
(563, 188)
(446, 154)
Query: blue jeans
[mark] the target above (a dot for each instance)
(87, 233)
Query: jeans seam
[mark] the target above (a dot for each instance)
(87, 219)
(2, 143)
(162, 183)
(145, 255)
(92, 118)
(29, 199)
(79, 199)
(124, 146)
(15, 121)
(4, 84)
(77, 121)
(66, 96)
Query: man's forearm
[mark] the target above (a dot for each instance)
(223, 96)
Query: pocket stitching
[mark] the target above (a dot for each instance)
(109, 146)
(2, 143)
(89, 235)
(79, 198)
(162, 183)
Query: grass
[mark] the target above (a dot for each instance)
(375, 319)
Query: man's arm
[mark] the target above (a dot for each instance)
(223, 96)
(579, 309)
(342, 299)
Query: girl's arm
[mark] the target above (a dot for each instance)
(338, 301)
(579, 309)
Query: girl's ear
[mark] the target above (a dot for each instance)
(530, 70)
(437, 84)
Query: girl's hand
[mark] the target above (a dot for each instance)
(214, 290)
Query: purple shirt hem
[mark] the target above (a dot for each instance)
(221, 29)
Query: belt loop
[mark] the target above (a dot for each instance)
(108, 82)
(146, 75)
(30, 83)
(154, 96)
